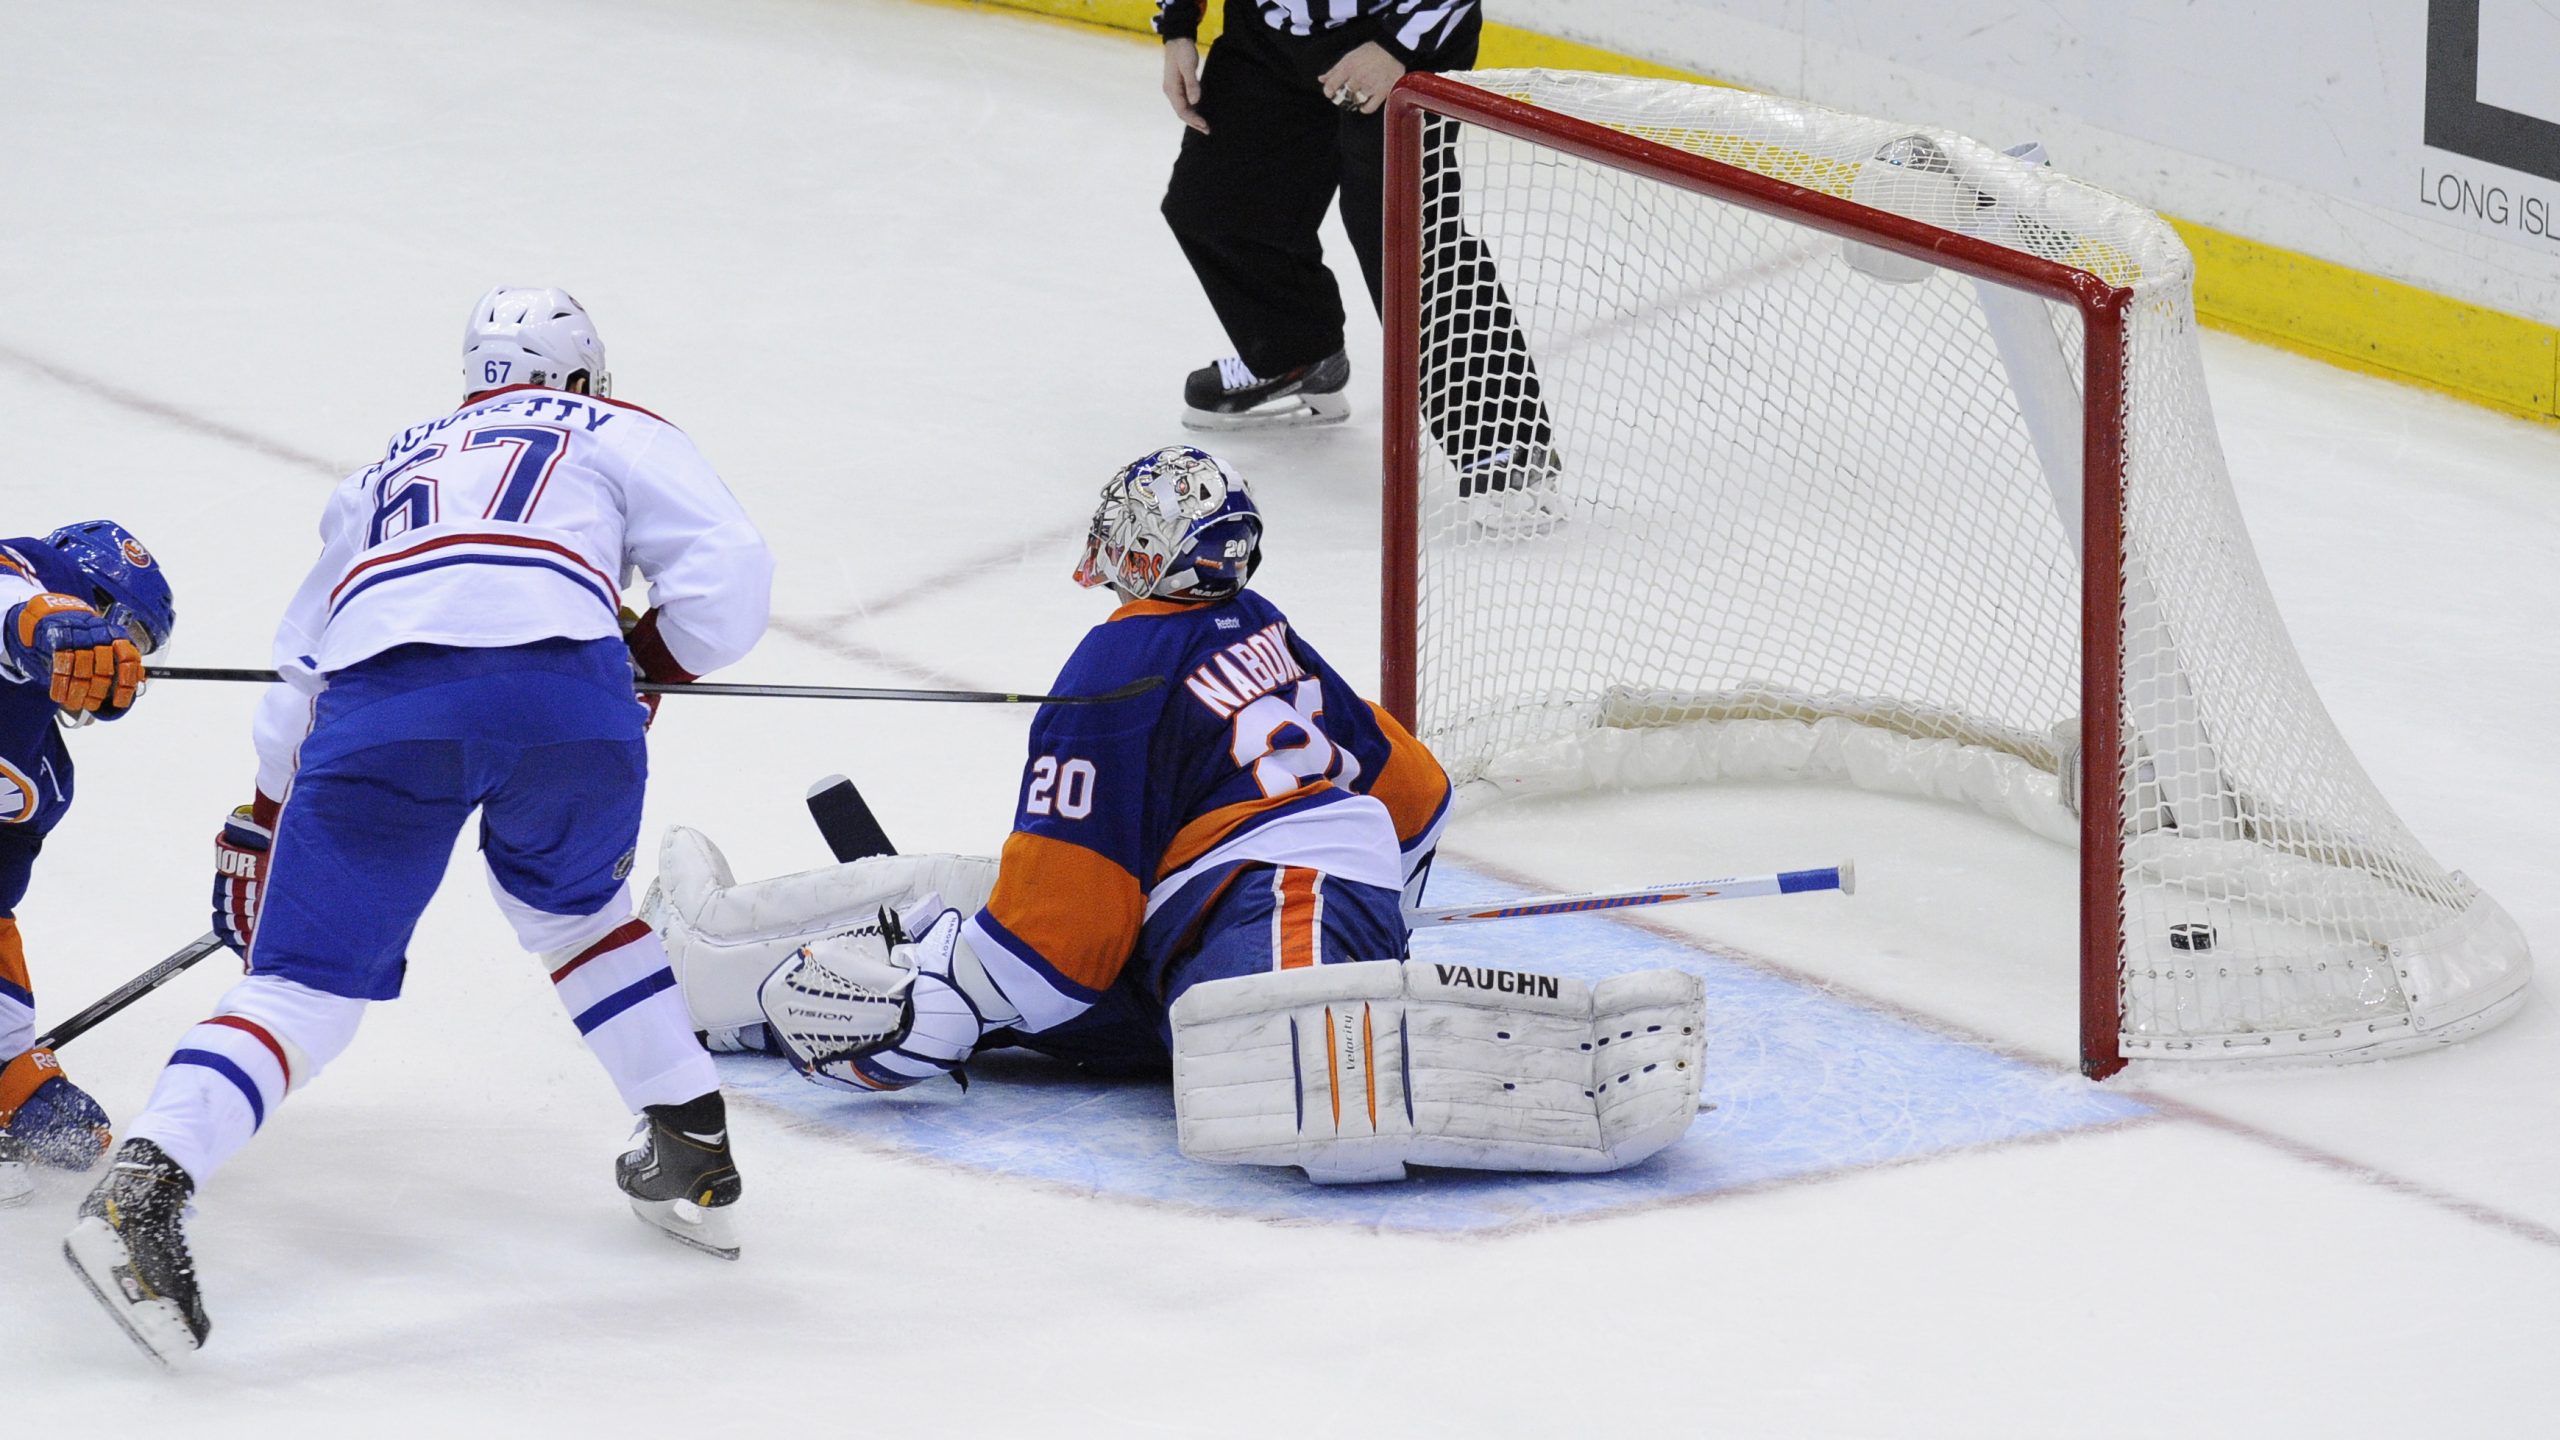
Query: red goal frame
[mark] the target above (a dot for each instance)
(2104, 310)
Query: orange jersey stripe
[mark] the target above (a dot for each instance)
(1411, 784)
(1077, 908)
(1203, 834)
(1296, 916)
(1147, 607)
(28, 795)
(13, 956)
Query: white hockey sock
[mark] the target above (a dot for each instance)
(17, 1024)
(267, 1038)
(622, 995)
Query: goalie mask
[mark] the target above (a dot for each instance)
(1173, 525)
(522, 336)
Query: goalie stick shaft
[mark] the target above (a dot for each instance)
(130, 991)
(1134, 688)
(852, 832)
(1841, 877)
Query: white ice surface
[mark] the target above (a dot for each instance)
(898, 269)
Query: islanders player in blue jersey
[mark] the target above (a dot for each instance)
(79, 609)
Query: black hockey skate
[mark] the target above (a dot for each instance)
(681, 1178)
(1510, 492)
(130, 1249)
(1227, 396)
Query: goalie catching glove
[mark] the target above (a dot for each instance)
(873, 1010)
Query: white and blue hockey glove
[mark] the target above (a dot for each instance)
(880, 1012)
(240, 872)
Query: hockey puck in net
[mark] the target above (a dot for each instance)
(2192, 936)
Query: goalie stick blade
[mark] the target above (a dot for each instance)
(846, 823)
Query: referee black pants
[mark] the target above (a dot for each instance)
(1247, 199)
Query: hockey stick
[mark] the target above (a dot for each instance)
(1139, 686)
(1842, 877)
(130, 991)
(845, 822)
(853, 832)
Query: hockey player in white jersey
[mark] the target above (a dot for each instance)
(1208, 875)
(457, 648)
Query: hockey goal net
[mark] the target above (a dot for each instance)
(1733, 437)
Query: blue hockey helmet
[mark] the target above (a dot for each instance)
(125, 583)
(1175, 524)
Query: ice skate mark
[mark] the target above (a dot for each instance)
(828, 632)
(820, 1127)
(1660, 929)
(172, 415)
(1675, 307)
(2522, 1227)
(2165, 1107)
(828, 635)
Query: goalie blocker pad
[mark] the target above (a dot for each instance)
(1352, 1072)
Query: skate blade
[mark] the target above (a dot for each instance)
(1499, 525)
(713, 1232)
(154, 1326)
(1500, 532)
(1286, 412)
(17, 1187)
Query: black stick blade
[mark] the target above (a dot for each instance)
(845, 822)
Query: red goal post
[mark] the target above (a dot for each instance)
(1425, 446)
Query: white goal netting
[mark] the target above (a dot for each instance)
(1707, 492)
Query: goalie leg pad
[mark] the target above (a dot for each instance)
(1352, 1072)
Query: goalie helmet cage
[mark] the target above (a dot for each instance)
(1838, 449)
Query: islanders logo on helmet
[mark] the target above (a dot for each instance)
(1175, 524)
(125, 584)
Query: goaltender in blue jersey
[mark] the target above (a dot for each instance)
(1207, 875)
(1252, 813)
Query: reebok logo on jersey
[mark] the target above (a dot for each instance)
(1506, 982)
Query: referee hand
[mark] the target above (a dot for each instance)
(1360, 80)
(1182, 81)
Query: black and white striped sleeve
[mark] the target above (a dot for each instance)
(1180, 19)
(1415, 31)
